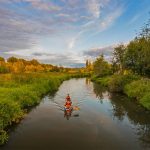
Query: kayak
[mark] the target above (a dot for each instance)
(68, 108)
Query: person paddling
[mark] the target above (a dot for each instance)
(68, 97)
(68, 102)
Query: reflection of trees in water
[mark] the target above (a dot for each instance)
(136, 114)
(67, 114)
(99, 91)
(87, 81)
(122, 106)
(144, 135)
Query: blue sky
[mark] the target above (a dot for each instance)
(67, 32)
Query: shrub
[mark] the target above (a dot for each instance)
(118, 82)
(10, 111)
(137, 89)
(3, 137)
(145, 100)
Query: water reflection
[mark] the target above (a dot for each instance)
(100, 92)
(87, 81)
(124, 108)
(68, 113)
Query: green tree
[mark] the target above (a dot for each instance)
(118, 57)
(137, 56)
(101, 67)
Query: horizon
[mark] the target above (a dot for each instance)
(66, 32)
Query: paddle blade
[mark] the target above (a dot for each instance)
(76, 108)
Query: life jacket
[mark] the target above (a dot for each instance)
(68, 103)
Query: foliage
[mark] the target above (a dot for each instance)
(145, 100)
(118, 82)
(118, 57)
(18, 65)
(3, 69)
(89, 67)
(137, 88)
(140, 90)
(137, 56)
(101, 67)
(2, 59)
(12, 59)
(102, 81)
(3, 137)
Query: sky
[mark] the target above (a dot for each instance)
(67, 32)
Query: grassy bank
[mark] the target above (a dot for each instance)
(21, 91)
(136, 87)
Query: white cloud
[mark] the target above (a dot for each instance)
(71, 43)
(95, 7)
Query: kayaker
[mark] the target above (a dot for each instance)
(68, 104)
(68, 97)
(68, 101)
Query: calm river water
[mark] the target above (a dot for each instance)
(105, 121)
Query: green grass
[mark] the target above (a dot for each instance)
(21, 91)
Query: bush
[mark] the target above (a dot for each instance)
(118, 82)
(103, 81)
(10, 111)
(3, 137)
(145, 100)
(138, 88)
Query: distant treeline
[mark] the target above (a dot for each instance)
(17, 65)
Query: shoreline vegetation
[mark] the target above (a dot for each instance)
(129, 70)
(23, 84)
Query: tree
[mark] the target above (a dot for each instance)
(12, 59)
(2, 59)
(87, 63)
(118, 56)
(101, 67)
(137, 56)
(34, 62)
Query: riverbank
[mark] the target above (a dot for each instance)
(135, 87)
(18, 92)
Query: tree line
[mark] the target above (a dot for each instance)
(18, 65)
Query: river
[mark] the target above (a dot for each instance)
(104, 121)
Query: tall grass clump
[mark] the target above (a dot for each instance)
(9, 112)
